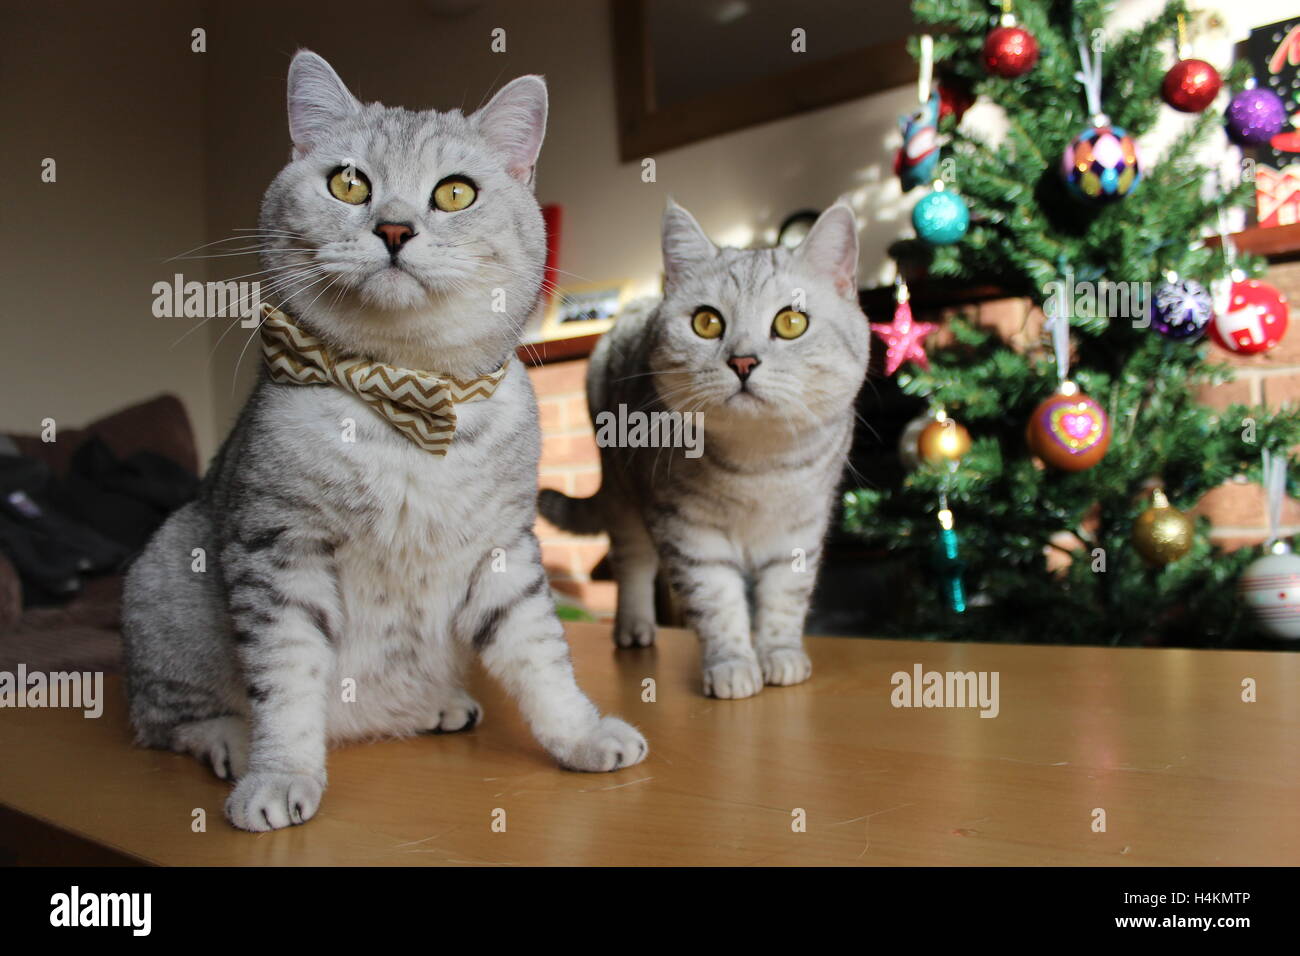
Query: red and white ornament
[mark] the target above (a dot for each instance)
(1270, 589)
(1251, 316)
(1270, 585)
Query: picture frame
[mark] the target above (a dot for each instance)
(583, 310)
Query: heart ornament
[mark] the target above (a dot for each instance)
(1069, 431)
(1078, 425)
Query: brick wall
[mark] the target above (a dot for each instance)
(1273, 379)
(570, 463)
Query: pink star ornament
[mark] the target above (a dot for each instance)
(903, 338)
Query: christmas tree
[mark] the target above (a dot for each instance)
(1030, 236)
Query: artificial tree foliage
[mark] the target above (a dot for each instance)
(1027, 233)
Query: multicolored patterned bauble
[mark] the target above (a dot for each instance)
(1069, 431)
(1191, 85)
(941, 218)
(1162, 533)
(1253, 320)
(1255, 116)
(1010, 51)
(1270, 589)
(1181, 309)
(1101, 164)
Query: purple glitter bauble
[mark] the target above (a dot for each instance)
(1181, 309)
(1255, 116)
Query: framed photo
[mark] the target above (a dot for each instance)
(1274, 53)
(587, 309)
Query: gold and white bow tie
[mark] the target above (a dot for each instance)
(420, 405)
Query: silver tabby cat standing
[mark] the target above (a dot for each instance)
(770, 347)
(370, 564)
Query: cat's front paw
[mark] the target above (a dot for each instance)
(611, 744)
(733, 678)
(783, 666)
(634, 633)
(264, 800)
(461, 713)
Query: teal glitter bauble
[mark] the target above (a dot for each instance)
(941, 218)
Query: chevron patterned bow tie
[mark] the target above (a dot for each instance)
(420, 405)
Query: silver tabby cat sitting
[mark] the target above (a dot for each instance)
(770, 347)
(370, 563)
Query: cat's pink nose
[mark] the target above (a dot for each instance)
(394, 234)
(742, 365)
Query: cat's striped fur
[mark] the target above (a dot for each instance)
(739, 529)
(333, 580)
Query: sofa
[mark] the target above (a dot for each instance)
(83, 634)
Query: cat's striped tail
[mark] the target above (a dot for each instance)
(575, 515)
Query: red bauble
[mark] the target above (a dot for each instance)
(1010, 51)
(1191, 85)
(955, 98)
(1254, 319)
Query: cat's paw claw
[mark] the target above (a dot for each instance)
(733, 678)
(611, 745)
(783, 666)
(639, 633)
(271, 801)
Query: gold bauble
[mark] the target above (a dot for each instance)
(943, 440)
(1162, 533)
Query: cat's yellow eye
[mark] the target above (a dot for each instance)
(349, 184)
(454, 194)
(707, 323)
(789, 324)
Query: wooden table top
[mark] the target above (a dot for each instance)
(1186, 772)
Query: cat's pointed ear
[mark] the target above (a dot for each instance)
(514, 123)
(317, 100)
(684, 242)
(831, 249)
